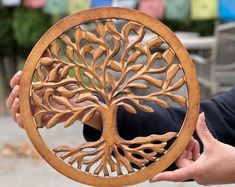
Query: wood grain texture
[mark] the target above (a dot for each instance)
(104, 68)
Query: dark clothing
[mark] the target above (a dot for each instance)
(219, 111)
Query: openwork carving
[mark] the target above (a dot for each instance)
(80, 73)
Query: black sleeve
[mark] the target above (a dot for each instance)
(219, 111)
(220, 116)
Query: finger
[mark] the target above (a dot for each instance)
(14, 94)
(193, 149)
(18, 120)
(16, 79)
(183, 160)
(15, 108)
(203, 132)
(196, 150)
(189, 149)
(178, 175)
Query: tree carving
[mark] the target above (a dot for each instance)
(77, 80)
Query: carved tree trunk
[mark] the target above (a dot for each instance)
(110, 125)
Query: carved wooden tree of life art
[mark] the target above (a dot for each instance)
(90, 64)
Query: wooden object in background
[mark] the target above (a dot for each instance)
(101, 70)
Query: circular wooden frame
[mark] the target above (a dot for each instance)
(189, 123)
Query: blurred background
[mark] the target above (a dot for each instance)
(205, 27)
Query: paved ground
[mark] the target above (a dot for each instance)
(24, 172)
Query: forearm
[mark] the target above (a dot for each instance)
(143, 123)
(220, 118)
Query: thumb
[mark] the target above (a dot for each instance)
(203, 132)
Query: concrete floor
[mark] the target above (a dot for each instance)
(30, 172)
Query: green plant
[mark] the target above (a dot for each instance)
(29, 25)
(6, 32)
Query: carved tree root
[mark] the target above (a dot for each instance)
(139, 151)
(77, 155)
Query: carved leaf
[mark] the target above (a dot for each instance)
(155, 82)
(116, 42)
(47, 61)
(40, 75)
(54, 120)
(47, 95)
(78, 36)
(177, 85)
(114, 65)
(63, 101)
(66, 39)
(100, 29)
(38, 117)
(126, 91)
(158, 101)
(170, 74)
(37, 85)
(154, 42)
(133, 57)
(65, 71)
(72, 119)
(90, 37)
(53, 75)
(77, 74)
(162, 103)
(86, 97)
(141, 107)
(55, 49)
(112, 80)
(69, 53)
(98, 52)
(169, 56)
(137, 85)
(65, 92)
(136, 67)
(37, 100)
(111, 27)
(177, 98)
(88, 115)
(128, 107)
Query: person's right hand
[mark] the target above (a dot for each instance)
(13, 101)
(216, 165)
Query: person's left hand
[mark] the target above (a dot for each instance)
(216, 165)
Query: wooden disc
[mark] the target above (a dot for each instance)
(93, 62)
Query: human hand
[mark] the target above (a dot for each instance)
(13, 104)
(13, 101)
(216, 165)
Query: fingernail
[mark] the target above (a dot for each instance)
(19, 74)
(154, 179)
(16, 103)
(16, 90)
(202, 117)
